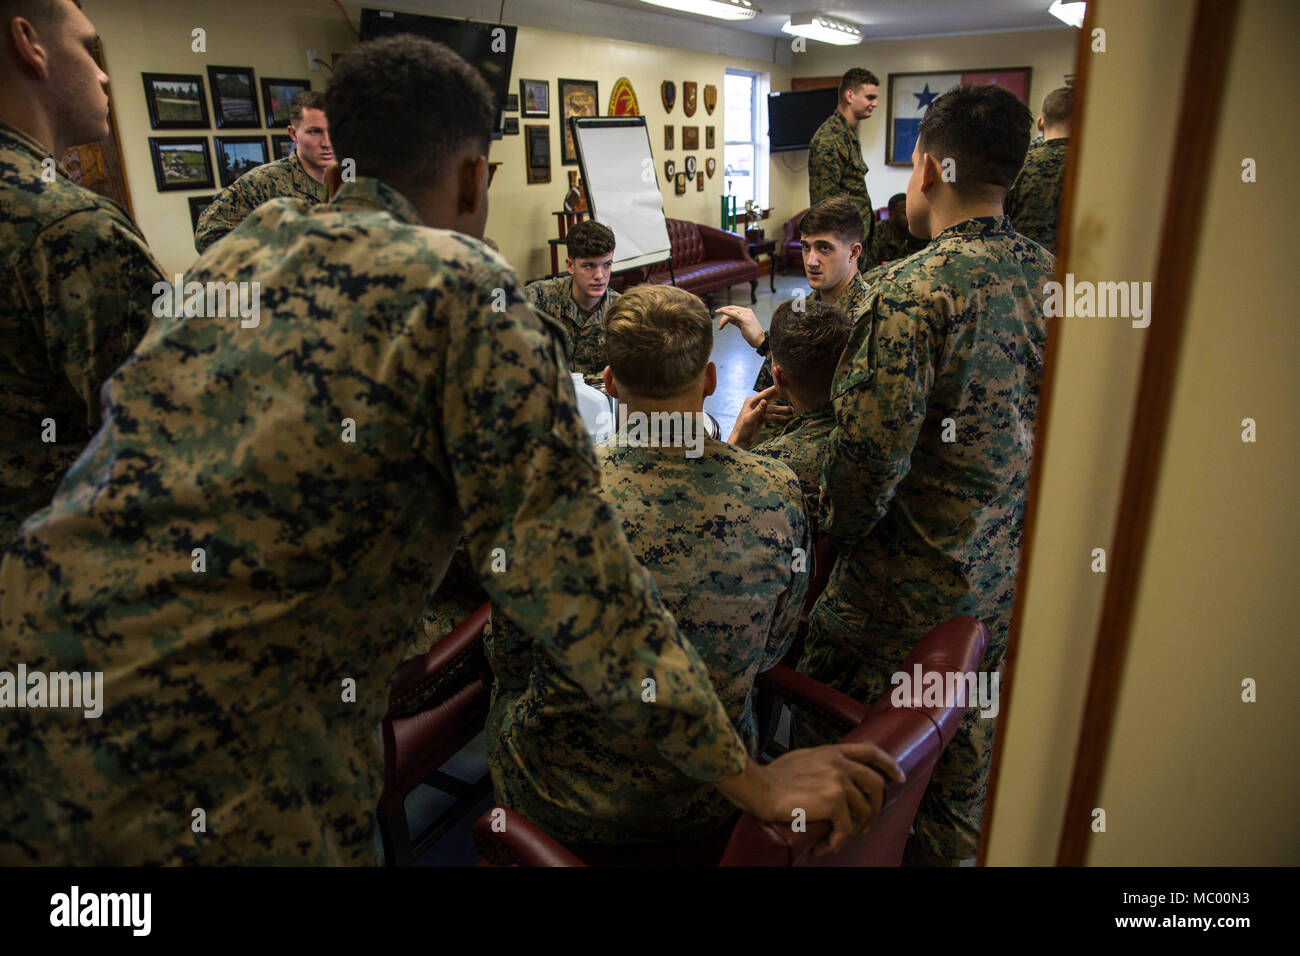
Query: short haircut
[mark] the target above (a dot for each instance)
(897, 198)
(403, 108)
(589, 240)
(837, 216)
(807, 343)
(306, 100)
(39, 12)
(856, 77)
(658, 339)
(984, 129)
(1056, 106)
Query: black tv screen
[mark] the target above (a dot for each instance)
(792, 118)
(491, 53)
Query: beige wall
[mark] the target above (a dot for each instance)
(154, 36)
(1050, 53)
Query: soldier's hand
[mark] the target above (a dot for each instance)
(743, 319)
(753, 414)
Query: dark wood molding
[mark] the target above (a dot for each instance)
(1202, 95)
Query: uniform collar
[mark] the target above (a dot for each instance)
(980, 227)
(368, 192)
(300, 173)
(14, 138)
(825, 412)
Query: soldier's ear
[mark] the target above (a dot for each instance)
(472, 184)
(28, 48)
(610, 388)
(710, 379)
(855, 251)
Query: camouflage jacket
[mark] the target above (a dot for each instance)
(1034, 201)
(245, 549)
(836, 168)
(801, 444)
(283, 177)
(75, 299)
(585, 330)
(886, 246)
(852, 301)
(935, 401)
(718, 534)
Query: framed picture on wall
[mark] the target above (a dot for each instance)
(175, 101)
(276, 97)
(234, 97)
(537, 152)
(535, 99)
(282, 146)
(512, 102)
(577, 98)
(181, 162)
(236, 155)
(708, 137)
(511, 126)
(197, 205)
(690, 137)
(680, 184)
(910, 94)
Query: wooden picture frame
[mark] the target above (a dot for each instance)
(282, 147)
(709, 141)
(181, 162)
(576, 98)
(234, 158)
(910, 94)
(197, 205)
(512, 102)
(511, 126)
(277, 94)
(680, 184)
(537, 153)
(670, 141)
(176, 101)
(699, 182)
(535, 99)
(690, 137)
(234, 97)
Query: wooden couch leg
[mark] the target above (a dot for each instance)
(753, 291)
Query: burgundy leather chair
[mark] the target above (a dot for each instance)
(451, 685)
(914, 736)
(791, 247)
(706, 260)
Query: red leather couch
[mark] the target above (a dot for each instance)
(706, 260)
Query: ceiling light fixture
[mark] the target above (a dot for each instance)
(814, 26)
(1068, 12)
(718, 9)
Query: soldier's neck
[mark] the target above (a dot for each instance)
(848, 116)
(945, 217)
(35, 124)
(833, 295)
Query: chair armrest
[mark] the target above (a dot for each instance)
(451, 662)
(814, 695)
(520, 843)
(720, 244)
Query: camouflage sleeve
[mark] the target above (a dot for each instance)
(227, 211)
(789, 605)
(526, 482)
(824, 163)
(880, 393)
(96, 277)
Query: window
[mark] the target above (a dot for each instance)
(744, 157)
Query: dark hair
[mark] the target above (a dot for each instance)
(837, 216)
(1056, 107)
(807, 343)
(306, 100)
(589, 239)
(39, 12)
(984, 129)
(403, 107)
(658, 339)
(897, 197)
(856, 77)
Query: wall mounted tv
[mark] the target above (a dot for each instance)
(792, 118)
(472, 39)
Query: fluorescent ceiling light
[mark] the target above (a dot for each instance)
(1068, 12)
(718, 9)
(814, 26)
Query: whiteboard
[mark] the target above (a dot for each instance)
(623, 186)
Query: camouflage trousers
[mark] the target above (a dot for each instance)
(842, 652)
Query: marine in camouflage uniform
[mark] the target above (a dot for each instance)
(1034, 202)
(836, 168)
(801, 443)
(325, 461)
(927, 530)
(887, 246)
(852, 301)
(76, 298)
(585, 329)
(718, 534)
(284, 177)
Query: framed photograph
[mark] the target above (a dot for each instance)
(680, 187)
(535, 99)
(669, 142)
(276, 97)
(910, 94)
(537, 153)
(234, 97)
(197, 205)
(181, 162)
(512, 102)
(577, 98)
(512, 126)
(708, 137)
(175, 101)
(690, 137)
(236, 155)
(282, 146)
(690, 167)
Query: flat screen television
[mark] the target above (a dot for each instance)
(491, 53)
(792, 118)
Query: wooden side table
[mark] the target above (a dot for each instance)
(765, 247)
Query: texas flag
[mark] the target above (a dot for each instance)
(910, 94)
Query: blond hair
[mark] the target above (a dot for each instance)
(658, 339)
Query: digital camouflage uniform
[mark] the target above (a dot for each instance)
(586, 351)
(852, 301)
(284, 177)
(886, 246)
(1034, 201)
(326, 461)
(75, 297)
(717, 533)
(836, 168)
(801, 444)
(927, 530)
